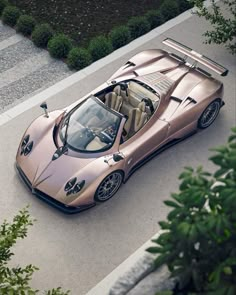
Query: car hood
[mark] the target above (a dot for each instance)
(46, 173)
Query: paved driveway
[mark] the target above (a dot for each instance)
(77, 251)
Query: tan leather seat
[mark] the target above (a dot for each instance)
(136, 120)
(113, 99)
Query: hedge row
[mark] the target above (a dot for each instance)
(60, 46)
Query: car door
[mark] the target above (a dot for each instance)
(141, 145)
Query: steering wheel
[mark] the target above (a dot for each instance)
(89, 132)
(104, 137)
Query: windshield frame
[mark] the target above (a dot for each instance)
(68, 115)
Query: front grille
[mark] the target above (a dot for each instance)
(51, 201)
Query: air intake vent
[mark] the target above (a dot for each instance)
(129, 64)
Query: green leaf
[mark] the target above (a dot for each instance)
(152, 250)
(218, 160)
(220, 149)
(164, 224)
(171, 204)
(220, 172)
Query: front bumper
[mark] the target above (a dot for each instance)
(51, 201)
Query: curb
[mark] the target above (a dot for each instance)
(117, 279)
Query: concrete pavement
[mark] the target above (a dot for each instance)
(76, 252)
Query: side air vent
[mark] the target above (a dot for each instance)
(176, 99)
(188, 101)
(129, 64)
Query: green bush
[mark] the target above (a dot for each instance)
(78, 58)
(10, 15)
(16, 280)
(154, 18)
(120, 36)
(3, 4)
(169, 9)
(99, 47)
(138, 26)
(41, 35)
(199, 238)
(25, 25)
(59, 46)
(184, 5)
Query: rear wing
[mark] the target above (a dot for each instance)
(196, 56)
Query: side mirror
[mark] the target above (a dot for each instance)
(118, 157)
(45, 108)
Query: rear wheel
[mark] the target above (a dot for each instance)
(109, 186)
(209, 115)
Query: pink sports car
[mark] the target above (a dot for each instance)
(75, 157)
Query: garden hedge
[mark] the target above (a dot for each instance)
(78, 58)
(41, 35)
(120, 36)
(138, 26)
(59, 46)
(25, 25)
(3, 4)
(99, 47)
(10, 15)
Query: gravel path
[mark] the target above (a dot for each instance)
(5, 32)
(25, 69)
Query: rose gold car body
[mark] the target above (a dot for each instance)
(184, 92)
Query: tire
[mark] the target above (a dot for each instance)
(109, 186)
(209, 115)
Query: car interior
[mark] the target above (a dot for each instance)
(137, 102)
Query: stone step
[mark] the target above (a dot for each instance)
(41, 78)
(24, 68)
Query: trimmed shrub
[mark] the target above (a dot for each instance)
(59, 46)
(10, 15)
(3, 4)
(138, 26)
(120, 36)
(154, 18)
(41, 35)
(25, 24)
(184, 5)
(99, 47)
(78, 58)
(169, 9)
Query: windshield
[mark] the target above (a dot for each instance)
(91, 127)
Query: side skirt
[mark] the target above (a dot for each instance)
(158, 151)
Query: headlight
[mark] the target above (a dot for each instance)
(28, 148)
(72, 187)
(24, 143)
(70, 184)
(78, 187)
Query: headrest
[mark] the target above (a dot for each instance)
(142, 106)
(117, 90)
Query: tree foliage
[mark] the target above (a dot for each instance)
(199, 240)
(223, 22)
(16, 280)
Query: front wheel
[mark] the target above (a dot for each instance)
(209, 115)
(109, 186)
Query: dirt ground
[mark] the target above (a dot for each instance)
(84, 19)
